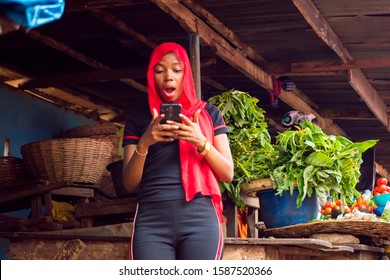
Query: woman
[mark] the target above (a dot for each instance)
(175, 167)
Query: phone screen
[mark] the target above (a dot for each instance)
(171, 112)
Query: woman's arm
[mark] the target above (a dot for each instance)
(133, 166)
(220, 158)
(135, 155)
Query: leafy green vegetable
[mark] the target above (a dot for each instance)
(305, 158)
(249, 139)
(318, 163)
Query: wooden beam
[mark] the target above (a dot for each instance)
(322, 28)
(324, 67)
(213, 83)
(79, 78)
(122, 27)
(369, 95)
(222, 29)
(192, 23)
(79, 56)
(195, 63)
(346, 113)
(82, 5)
(79, 103)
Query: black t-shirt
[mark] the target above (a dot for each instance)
(161, 178)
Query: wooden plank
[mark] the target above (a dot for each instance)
(75, 191)
(79, 56)
(100, 208)
(322, 28)
(224, 30)
(29, 190)
(363, 87)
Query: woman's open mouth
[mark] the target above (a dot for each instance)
(169, 91)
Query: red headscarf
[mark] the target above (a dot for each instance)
(197, 175)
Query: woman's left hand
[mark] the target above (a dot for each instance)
(190, 131)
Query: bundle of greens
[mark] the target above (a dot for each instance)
(315, 162)
(249, 139)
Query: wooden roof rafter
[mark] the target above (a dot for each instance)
(356, 77)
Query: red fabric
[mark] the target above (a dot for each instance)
(197, 175)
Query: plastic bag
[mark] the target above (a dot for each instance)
(33, 13)
(62, 211)
(386, 212)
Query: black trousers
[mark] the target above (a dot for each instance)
(177, 230)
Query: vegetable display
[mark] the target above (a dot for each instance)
(317, 163)
(306, 158)
(249, 139)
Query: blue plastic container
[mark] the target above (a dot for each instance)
(279, 211)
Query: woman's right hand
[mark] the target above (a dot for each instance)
(157, 132)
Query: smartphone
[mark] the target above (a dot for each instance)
(171, 112)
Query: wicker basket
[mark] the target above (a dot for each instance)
(99, 131)
(90, 130)
(12, 171)
(70, 160)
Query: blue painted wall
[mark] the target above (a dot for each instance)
(25, 119)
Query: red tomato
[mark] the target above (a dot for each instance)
(361, 201)
(382, 181)
(327, 211)
(328, 203)
(338, 202)
(381, 188)
(336, 207)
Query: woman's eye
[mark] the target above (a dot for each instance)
(158, 71)
(178, 70)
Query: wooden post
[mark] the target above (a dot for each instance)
(195, 62)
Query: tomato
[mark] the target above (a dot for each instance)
(327, 211)
(370, 209)
(338, 202)
(347, 209)
(382, 181)
(328, 203)
(336, 207)
(381, 188)
(361, 201)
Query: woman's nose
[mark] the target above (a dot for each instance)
(169, 75)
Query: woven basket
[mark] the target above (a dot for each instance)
(70, 160)
(99, 131)
(90, 130)
(12, 171)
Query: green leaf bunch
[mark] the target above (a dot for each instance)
(249, 139)
(317, 163)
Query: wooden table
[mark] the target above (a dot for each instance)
(34, 194)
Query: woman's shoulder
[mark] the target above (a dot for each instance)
(212, 109)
